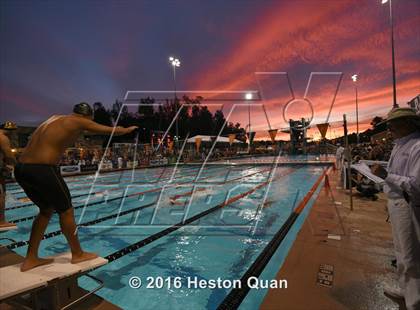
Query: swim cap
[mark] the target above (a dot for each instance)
(8, 125)
(83, 108)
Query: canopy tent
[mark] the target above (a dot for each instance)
(208, 139)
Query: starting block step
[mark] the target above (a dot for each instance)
(13, 282)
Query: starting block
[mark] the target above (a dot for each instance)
(52, 286)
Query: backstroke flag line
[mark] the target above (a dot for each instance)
(273, 133)
(323, 128)
(250, 136)
(231, 138)
(197, 144)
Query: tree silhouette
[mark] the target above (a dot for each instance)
(193, 118)
(377, 124)
(205, 119)
(101, 115)
(376, 120)
(218, 122)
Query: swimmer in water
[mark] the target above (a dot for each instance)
(38, 174)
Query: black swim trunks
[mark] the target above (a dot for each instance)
(44, 185)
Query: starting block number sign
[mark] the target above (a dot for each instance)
(325, 275)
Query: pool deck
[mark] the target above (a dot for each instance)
(94, 302)
(361, 259)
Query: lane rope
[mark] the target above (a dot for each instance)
(237, 295)
(93, 193)
(58, 232)
(135, 246)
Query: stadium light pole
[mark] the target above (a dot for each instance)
(248, 96)
(175, 63)
(394, 82)
(354, 78)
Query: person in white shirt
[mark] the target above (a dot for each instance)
(402, 186)
(339, 157)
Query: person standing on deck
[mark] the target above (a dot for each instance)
(339, 157)
(402, 186)
(38, 174)
(7, 160)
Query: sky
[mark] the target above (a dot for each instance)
(54, 54)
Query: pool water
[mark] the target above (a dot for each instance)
(123, 208)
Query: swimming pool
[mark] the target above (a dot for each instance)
(178, 226)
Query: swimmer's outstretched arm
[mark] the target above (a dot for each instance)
(96, 128)
(7, 150)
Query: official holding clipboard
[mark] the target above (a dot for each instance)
(402, 186)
